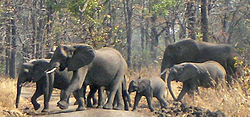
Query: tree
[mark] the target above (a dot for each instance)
(204, 20)
(128, 11)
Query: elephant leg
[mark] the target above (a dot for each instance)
(91, 94)
(162, 102)
(149, 100)
(125, 95)
(126, 99)
(116, 85)
(37, 94)
(119, 99)
(182, 93)
(76, 84)
(101, 98)
(136, 102)
(84, 88)
(47, 90)
(77, 95)
(68, 98)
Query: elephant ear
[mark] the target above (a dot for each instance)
(144, 85)
(83, 55)
(206, 80)
(187, 71)
(39, 68)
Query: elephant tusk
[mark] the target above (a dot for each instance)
(164, 71)
(54, 69)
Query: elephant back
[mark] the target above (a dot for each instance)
(184, 51)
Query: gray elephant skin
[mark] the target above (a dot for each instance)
(103, 68)
(153, 87)
(189, 50)
(34, 71)
(194, 75)
(101, 97)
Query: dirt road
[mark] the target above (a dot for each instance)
(27, 92)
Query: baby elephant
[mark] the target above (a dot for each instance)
(194, 75)
(154, 87)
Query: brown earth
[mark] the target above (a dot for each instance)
(54, 111)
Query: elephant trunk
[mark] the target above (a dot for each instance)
(170, 78)
(19, 88)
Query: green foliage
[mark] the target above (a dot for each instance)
(161, 7)
(74, 6)
(1, 8)
(238, 62)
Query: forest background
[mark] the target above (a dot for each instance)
(139, 29)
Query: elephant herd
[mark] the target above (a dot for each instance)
(74, 67)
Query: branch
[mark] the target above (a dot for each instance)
(84, 6)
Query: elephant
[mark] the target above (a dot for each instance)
(193, 75)
(104, 67)
(34, 71)
(189, 50)
(154, 87)
(125, 96)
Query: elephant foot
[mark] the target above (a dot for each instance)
(63, 104)
(45, 110)
(107, 106)
(134, 109)
(90, 105)
(152, 109)
(80, 108)
(126, 108)
(99, 106)
(120, 107)
(36, 106)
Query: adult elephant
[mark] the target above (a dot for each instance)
(34, 71)
(189, 50)
(104, 67)
(194, 75)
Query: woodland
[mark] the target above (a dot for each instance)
(139, 29)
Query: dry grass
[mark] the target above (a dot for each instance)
(233, 102)
(8, 98)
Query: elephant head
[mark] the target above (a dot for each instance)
(139, 85)
(185, 72)
(179, 52)
(31, 71)
(71, 57)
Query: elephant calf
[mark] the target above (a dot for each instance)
(154, 87)
(193, 75)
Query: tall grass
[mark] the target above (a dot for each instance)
(233, 102)
(8, 97)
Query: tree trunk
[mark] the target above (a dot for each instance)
(7, 51)
(190, 14)
(168, 35)
(40, 31)
(128, 11)
(13, 50)
(204, 20)
(154, 37)
(142, 26)
(173, 30)
(34, 28)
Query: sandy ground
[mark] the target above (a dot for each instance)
(54, 111)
